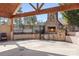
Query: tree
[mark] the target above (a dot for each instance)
(72, 17)
(30, 20)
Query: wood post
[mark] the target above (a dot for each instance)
(11, 28)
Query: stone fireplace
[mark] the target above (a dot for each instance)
(52, 28)
(51, 24)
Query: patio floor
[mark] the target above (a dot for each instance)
(38, 48)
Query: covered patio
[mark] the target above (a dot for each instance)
(10, 11)
(54, 43)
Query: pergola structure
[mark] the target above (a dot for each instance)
(9, 10)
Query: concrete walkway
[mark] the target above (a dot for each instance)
(38, 48)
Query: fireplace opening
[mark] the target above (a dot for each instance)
(51, 29)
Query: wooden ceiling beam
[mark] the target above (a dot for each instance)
(3, 15)
(49, 10)
(16, 9)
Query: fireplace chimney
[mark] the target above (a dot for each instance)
(51, 23)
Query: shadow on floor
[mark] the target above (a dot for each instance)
(21, 51)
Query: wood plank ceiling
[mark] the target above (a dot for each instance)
(7, 9)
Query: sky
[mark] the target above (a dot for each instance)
(43, 17)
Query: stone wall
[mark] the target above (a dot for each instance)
(26, 36)
(6, 29)
(74, 39)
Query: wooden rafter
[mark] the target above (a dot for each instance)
(13, 10)
(16, 9)
(37, 5)
(32, 6)
(41, 6)
(49, 10)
